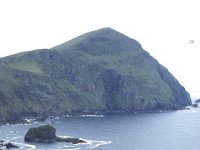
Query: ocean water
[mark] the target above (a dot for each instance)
(177, 130)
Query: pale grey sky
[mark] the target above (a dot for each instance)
(163, 27)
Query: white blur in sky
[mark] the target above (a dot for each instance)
(165, 28)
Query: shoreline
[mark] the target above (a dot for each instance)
(42, 118)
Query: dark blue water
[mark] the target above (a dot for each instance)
(179, 130)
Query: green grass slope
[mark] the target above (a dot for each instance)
(102, 70)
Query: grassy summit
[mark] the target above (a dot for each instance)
(102, 70)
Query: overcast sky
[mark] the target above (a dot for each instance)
(165, 28)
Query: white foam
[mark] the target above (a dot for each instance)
(71, 147)
(20, 124)
(90, 144)
(21, 145)
(27, 146)
(94, 144)
(92, 115)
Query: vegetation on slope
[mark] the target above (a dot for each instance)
(103, 70)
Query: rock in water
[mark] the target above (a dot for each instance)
(197, 101)
(195, 105)
(103, 70)
(1, 141)
(46, 134)
(10, 145)
(70, 140)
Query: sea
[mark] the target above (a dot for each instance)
(172, 130)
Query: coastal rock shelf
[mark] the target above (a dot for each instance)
(7, 145)
(47, 134)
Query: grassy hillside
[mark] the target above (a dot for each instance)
(103, 70)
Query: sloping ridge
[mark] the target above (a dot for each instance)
(102, 70)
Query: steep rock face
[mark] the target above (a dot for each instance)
(101, 70)
(181, 96)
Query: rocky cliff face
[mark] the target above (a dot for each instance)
(103, 70)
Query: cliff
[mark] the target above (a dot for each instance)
(102, 70)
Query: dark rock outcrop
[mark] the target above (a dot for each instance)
(70, 140)
(46, 134)
(10, 145)
(1, 141)
(195, 105)
(197, 101)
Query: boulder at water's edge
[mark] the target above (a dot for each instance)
(47, 134)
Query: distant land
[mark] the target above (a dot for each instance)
(99, 71)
